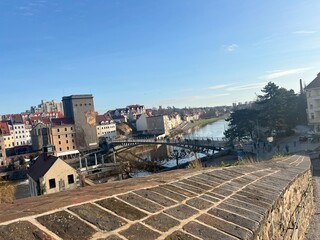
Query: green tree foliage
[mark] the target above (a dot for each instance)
(277, 109)
(241, 124)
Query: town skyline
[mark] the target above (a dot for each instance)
(181, 53)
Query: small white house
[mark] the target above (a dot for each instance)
(50, 174)
(141, 122)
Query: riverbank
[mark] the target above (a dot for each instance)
(196, 124)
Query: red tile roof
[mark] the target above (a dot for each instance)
(4, 128)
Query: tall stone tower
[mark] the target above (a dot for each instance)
(80, 109)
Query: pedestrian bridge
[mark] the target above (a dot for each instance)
(216, 144)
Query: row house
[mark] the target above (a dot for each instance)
(130, 112)
(158, 125)
(4, 135)
(189, 117)
(313, 104)
(175, 120)
(106, 127)
(141, 123)
(135, 110)
(60, 133)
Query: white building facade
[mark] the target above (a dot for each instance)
(313, 101)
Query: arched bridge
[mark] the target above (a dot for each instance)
(194, 143)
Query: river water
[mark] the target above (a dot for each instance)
(212, 130)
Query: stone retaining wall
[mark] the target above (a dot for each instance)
(261, 201)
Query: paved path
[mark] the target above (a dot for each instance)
(267, 150)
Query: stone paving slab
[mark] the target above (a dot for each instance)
(178, 235)
(161, 222)
(158, 198)
(139, 231)
(226, 203)
(220, 224)
(205, 232)
(169, 194)
(122, 209)
(22, 230)
(66, 226)
(140, 202)
(98, 217)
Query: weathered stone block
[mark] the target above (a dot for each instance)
(138, 231)
(122, 209)
(66, 226)
(22, 230)
(232, 229)
(98, 217)
(181, 212)
(164, 201)
(206, 233)
(140, 202)
(161, 222)
(199, 203)
(173, 195)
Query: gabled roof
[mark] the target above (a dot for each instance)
(103, 118)
(315, 83)
(41, 166)
(4, 128)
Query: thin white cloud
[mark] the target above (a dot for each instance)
(247, 86)
(304, 32)
(219, 86)
(231, 48)
(284, 73)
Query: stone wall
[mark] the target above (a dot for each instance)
(289, 216)
(260, 201)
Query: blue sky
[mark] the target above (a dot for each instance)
(170, 53)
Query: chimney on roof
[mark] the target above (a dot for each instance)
(47, 150)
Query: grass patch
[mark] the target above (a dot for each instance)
(7, 191)
(195, 164)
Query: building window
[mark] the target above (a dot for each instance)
(60, 149)
(58, 130)
(67, 141)
(71, 128)
(68, 148)
(66, 135)
(59, 142)
(59, 136)
(65, 129)
(52, 183)
(73, 147)
(70, 179)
